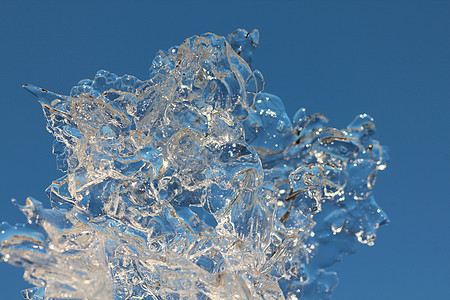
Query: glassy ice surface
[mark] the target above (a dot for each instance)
(195, 184)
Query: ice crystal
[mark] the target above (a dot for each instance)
(195, 184)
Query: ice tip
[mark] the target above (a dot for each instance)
(44, 96)
(36, 91)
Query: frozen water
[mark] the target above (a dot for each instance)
(195, 184)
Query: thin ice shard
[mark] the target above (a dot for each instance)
(195, 184)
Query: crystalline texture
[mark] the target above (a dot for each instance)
(195, 184)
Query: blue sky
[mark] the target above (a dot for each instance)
(389, 59)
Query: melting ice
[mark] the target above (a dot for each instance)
(195, 184)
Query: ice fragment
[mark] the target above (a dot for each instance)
(195, 184)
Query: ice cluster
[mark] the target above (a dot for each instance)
(195, 184)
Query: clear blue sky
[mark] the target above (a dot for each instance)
(390, 59)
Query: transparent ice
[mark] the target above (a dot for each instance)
(195, 184)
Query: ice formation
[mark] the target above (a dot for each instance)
(195, 184)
